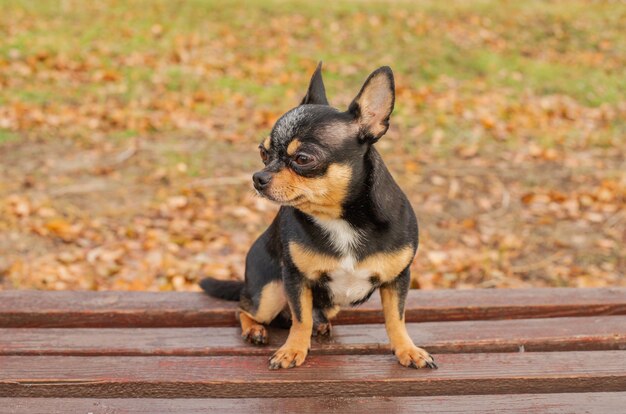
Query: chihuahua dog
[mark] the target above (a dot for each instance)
(344, 228)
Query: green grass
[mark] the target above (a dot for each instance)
(229, 49)
(122, 135)
(79, 29)
(7, 136)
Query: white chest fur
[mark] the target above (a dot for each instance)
(350, 280)
(341, 235)
(348, 284)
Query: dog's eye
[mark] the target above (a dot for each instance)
(264, 156)
(303, 159)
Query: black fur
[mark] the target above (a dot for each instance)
(223, 289)
(316, 93)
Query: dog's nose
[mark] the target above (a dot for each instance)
(261, 179)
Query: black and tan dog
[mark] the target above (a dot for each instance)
(344, 229)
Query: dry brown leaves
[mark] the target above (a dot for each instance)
(129, 164)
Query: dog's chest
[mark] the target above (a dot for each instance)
(349, 281)
(348, 284)
(346, 279)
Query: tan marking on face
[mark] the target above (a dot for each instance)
(266, 143)
(321, 196)
(312, 264)
(293, 146)
(387, 265)
(272, 301)
(296, 348)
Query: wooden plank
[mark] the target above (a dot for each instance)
(591, 403)
(177, 309)
(552, 334)
(109, 309)
(332, 375)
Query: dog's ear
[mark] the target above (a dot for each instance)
(373, 105)
(317, 93)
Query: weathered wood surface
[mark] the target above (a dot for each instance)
(330, 375)
(591, 403)
(552, 334)
(141, 309)
(113, 351)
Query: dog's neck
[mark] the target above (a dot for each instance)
(375, 198)
(373, 201)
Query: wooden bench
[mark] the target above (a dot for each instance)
(547, 350)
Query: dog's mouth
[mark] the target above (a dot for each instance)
(283, 202)
(294, 201)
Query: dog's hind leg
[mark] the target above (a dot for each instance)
(321, 321)
(251, 330)
(260, 309)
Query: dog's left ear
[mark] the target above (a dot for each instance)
(373, 105)
(317, 93)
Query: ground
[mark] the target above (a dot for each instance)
(128, 134)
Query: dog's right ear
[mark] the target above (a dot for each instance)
(316, 94)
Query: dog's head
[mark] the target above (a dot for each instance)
(315, 153)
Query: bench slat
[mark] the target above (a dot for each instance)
(591, 403)
(333, 375)
(553, 334)
(176, 309)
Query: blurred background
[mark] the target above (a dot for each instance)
(128, 134)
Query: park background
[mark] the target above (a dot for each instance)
(128, 134)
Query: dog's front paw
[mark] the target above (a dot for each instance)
(415, 357)
(255, 334)
(288, 357)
